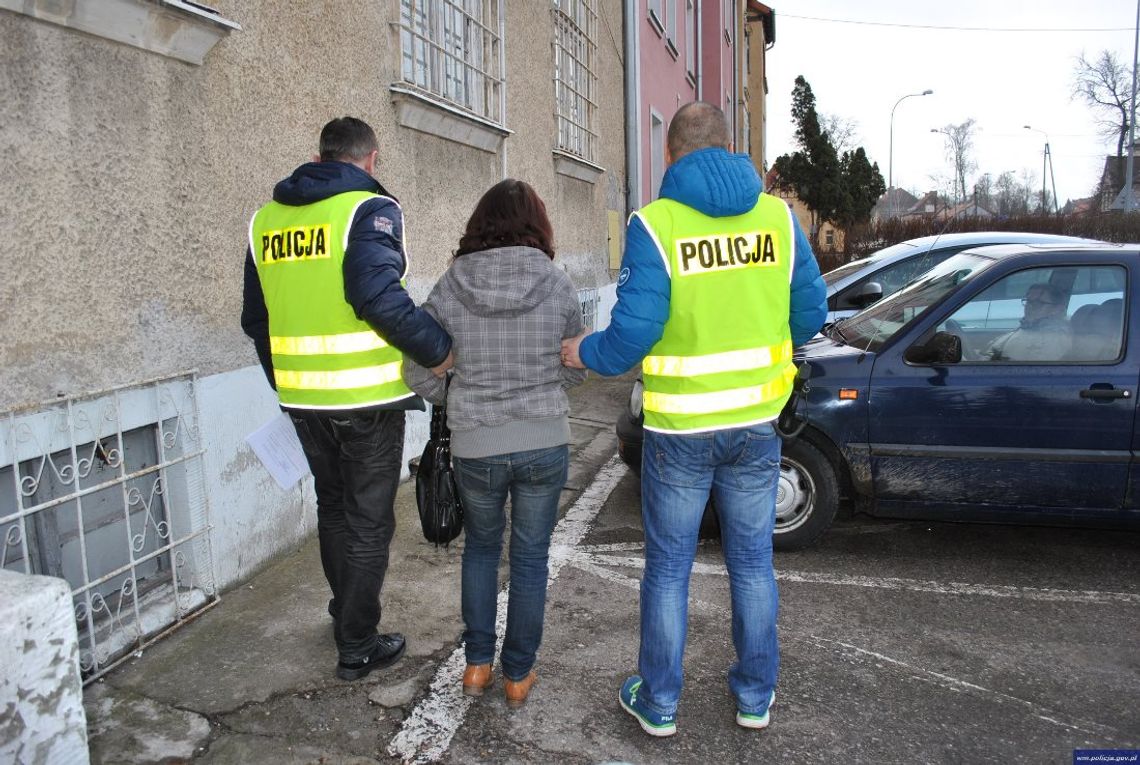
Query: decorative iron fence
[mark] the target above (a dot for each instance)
(106, 490)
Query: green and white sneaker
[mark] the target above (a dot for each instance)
(651, 722)
(756, 722)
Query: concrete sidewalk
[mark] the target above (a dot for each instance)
(252, 679)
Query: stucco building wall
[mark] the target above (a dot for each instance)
(132, 177)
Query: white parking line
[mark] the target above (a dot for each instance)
(954, 684)
(428, 730)
(598, 555)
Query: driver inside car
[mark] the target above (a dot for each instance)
(1044, 333)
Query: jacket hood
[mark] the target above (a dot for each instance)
(503, 281)
(314, 181)
(713, 182)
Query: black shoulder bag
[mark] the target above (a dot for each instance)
(441, 513)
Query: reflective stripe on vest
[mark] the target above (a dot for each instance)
(345, 379)
(312, 345)
(713, 363)
(725, 356)
(708, 403)
(324, 357)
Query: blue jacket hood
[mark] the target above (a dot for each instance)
(713, 182)
(314, 181)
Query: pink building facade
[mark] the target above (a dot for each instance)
(686, 50)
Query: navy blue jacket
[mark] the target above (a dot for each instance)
(373, 265)
(716, 183)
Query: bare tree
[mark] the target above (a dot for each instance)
(959, 150)
(844, 133)
(1106, 85)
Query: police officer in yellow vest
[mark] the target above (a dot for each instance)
(717, 285)
(327, 311)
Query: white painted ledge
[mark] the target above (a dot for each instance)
(576, 167)
(419, 111)
(182, 30)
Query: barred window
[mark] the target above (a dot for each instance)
(450, 49)
(575, 80)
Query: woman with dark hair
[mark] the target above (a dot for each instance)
(507, 308)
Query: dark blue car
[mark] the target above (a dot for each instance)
(1001, 386)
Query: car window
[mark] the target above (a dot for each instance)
(831, 277)
(1044, 315)
(872, 328)
(894, 277)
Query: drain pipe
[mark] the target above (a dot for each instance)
(632, 107)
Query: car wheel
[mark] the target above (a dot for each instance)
(807, 496)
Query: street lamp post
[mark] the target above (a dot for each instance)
(1046, 159)
(891, 158)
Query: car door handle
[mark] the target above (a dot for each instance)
(1102, 394)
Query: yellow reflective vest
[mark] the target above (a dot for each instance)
(725, 358)
(323, 356)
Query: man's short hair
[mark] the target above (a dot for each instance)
(346, 139)
(697, 125)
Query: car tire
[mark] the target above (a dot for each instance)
(807, 498)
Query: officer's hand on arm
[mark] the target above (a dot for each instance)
(446, 364)
(570, 356)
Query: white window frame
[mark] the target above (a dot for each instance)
(657, 138)
(729, 12)
(691, 38)
(451, 50)
(575, 51)
(657, 15)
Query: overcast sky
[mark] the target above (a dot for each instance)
(1001, 79)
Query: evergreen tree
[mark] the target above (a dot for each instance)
(813, 173)
(862, 186)
(842, 190)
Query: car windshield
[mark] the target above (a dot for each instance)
(831, 277)
(872, 328)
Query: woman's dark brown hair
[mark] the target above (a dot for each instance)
(510, 214)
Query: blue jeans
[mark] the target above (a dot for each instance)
(740, 467)
(534, 480)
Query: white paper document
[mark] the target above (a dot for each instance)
(276, 444)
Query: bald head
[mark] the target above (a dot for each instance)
(697, 125)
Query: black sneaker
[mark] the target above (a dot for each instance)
(386, 652)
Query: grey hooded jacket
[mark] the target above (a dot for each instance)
(507, 311)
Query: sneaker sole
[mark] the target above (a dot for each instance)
(661, 732)
(752, 721)
(344, 673)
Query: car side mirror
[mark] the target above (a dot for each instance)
(871, 292)
(941, 348)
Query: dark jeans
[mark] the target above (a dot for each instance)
(355, 461)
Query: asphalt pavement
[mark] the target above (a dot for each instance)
(901, 641)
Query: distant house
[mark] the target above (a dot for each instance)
(967, 209)
(892, 204)
(1080, 206)
(1110, 190)
(829, 237)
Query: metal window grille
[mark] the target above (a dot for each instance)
(588, 300)
(575, 80)
(450, 49)
(107, 491)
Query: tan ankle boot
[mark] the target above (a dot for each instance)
(477, 678)
(518, 690)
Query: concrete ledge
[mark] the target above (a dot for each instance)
(576, 167)
(41, 694)
(422, 112)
